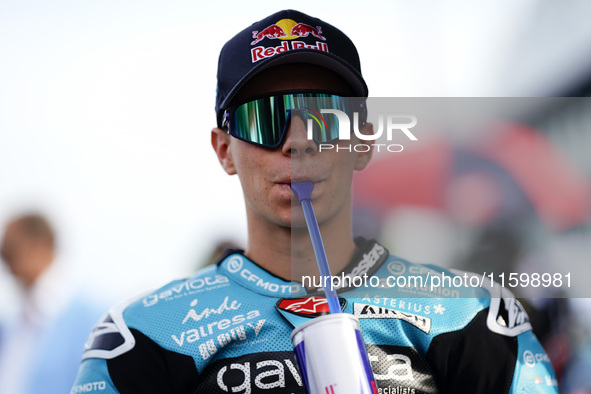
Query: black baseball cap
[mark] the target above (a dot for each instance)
(286, 37)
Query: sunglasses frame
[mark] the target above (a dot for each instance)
(229, 113)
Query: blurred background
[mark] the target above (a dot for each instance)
(106, 108)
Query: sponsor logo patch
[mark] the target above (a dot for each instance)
(299, 310)
(255, 373)
(530, 358)
(286, 30)
(365, 311)
(507, 317)
(249, 274)
(110, 337)
(397, 370)
(89, 387)
(185, 288)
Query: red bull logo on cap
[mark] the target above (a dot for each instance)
(286, 30)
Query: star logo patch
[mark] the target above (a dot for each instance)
(300, 310)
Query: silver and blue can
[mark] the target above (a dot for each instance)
(332, 356)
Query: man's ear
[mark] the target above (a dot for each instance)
(363, 158)
(220, 141)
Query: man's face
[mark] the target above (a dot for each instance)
(22, 256)
(266, 175)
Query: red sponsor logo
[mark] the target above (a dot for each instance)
(261, 52)
(275, 31)
(309, 307)
(302, 30)
(286, 30)
(305, 306)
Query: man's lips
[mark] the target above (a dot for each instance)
(290, 180)
(286, 183)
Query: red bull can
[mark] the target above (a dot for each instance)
(332, 356)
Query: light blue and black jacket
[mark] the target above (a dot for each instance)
(227, 330)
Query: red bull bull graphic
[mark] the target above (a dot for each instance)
(302, 30)
(271, 32)
(279, 31)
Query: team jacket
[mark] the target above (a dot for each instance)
(227, 330)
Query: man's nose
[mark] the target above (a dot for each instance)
(296, 142)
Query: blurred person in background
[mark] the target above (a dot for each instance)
(40, 348)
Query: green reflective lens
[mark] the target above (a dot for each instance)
(264, 121)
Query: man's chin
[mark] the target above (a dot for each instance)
(297, 219)
(298, 225)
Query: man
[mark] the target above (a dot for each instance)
(41, 348)
(227, 328)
